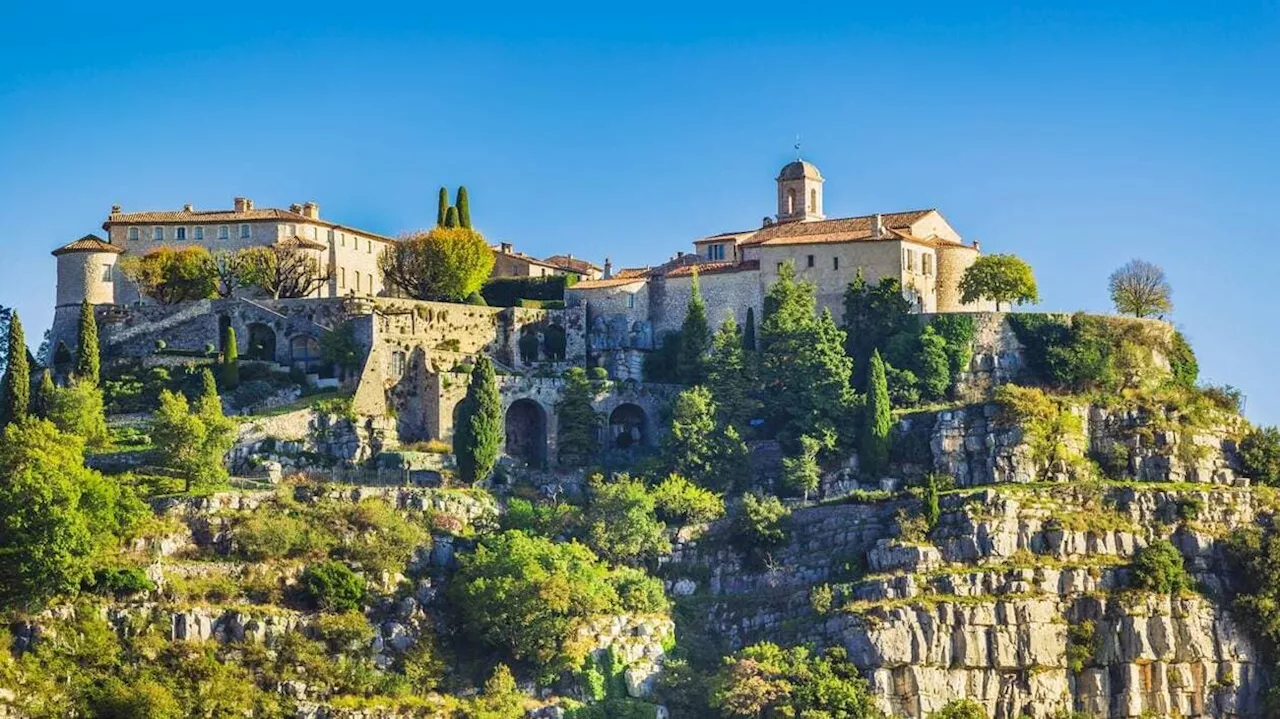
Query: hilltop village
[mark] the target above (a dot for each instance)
(267, 464)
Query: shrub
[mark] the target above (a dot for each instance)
(1183, 363)
(1081, 639)
(509, 291)
(639, 592)
(1189, 508)
(1159, 568)
(598, 374)
(765, 680)
(762, 523)
(271, 534)
(679, 500)
(377, 537)
(332, 586)
(960, 709)
(343, 631)
(120, 581)
(621, 524)
(1260, 455)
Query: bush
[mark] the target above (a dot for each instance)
(332, 586)
(621, 525)
(762, 523)
(1260, 455)
(765, 680)
(960, 709)
(639, 592)
(344, 631)
(377, 537)
(270, 534)
(1159, 568)
(120, 581)
(679, 500)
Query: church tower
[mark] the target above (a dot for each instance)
(800, 193)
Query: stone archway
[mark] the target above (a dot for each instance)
(262, 342)
(526, 432)
(628, 427)
(304, 351)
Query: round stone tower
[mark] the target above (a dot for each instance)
(953, 260)
(86, 271)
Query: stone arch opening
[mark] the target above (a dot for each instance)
(304, 350)
(628, 427)
(555, 342)
(526, 430)
(262, 342)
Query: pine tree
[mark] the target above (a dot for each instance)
(451, 217)
(690, 446)
(932, 507)
(933, 367)
(230, 368)
(464, 207)
(732, 377)
(801, 472)
(479, 430)
(695, 339)
(42, 404)
(15, 392)
(749, 331)
(578, 422)
(874, 447)
(443, 207)
(88, 362)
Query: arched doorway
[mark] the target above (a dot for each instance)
(628, 427)
(262, 342)
(526, 429)
(304, 350)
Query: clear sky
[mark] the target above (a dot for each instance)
(1077, 135)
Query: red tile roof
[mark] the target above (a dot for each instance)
(88, 243)
(845, 229)
(715, 268)
(572, 264)
(184, 216)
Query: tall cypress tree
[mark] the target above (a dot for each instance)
(695, 339)
(15, 392)
(479, 430)
(874, 448)
(464, 207)
(451, 217)
(749, 331)
(88, 362)
(230, 370)
(42, 403)
(442, 206)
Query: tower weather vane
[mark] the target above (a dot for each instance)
(797, 147)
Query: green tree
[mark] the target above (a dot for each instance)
(169, 275)
(874, 315)
(960, 709)
(689, 447)
(15, 391)
(662, 364)
(464, 207)
(578, 422)
(42, 403)
(340, 348)
(1002, 279)
(749, 331)
(447, 264)
(679, 500)
(451, 218)
(442, 206)
(283, 271)
(695, 339)
(805, 371)
(501, 698)
(732, 377)
(77, 409)
(621, 522)
(933, 364)
(1141, 289)
(54, 512)
(88, 362)
(529, 595)
(930, 498)
(1159, 567)
(800, 472)
(230, 365)
(1260, 455)
(193, 443)
(478, 431)
(769, 682)
(878, 422)
(333, 587)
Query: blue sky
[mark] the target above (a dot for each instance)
(1077, 137)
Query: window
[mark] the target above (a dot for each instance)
(809, 262)
(199, 233)
(813, 200)
(357, 274)
(244, 232)
(791, 202)
(293, 231)
(157, 234)
(342, 278)
(926, 262)
(631, 301)
(223, 232)
(180, 234)
(133, 234)
(106, 273)
(911, 260)
(368, 246)
(331, 235)
(397, 364)
(835, 263)
(715, 252)
(342, 239)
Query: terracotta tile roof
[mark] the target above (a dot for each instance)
(88, 243)
(300, 243)
(524, 258)
(178, 217)
(632, 273)
(847, 229)
(715, 268)
(572, 264)
(604, 284)
(724, 236)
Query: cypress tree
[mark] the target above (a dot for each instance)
(695, 339)
(451, 217)
(464, 207)
(933, 366)
(932, 506)
(15, 393)
(749, 331)
(442, 207)
(479, 430)
(88, 362)
(874, 448)
(230, 369)
(43, 402)
(577, 436)
(732, 377)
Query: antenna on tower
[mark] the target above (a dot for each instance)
(797, 146)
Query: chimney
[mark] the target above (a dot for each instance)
(506, 248)
(243, 204)
(768, 222)
(608, 268)
(679, 255)
(295, 208)
(115, 209)
(188, 207)
(311, 210)
(877, 226)
(976, 246)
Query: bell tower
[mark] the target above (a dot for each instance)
(800, 193)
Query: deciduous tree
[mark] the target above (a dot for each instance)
(1002, 279)
(479, 428)
(621, 522)
(193, 443)
(800, 471)
(170, 275)
(1140, 288)
(284, 271)
(446, 264)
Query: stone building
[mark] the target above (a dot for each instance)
(629, 311)
(507, 262)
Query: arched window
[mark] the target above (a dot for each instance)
(791, 201)
(813, 200)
